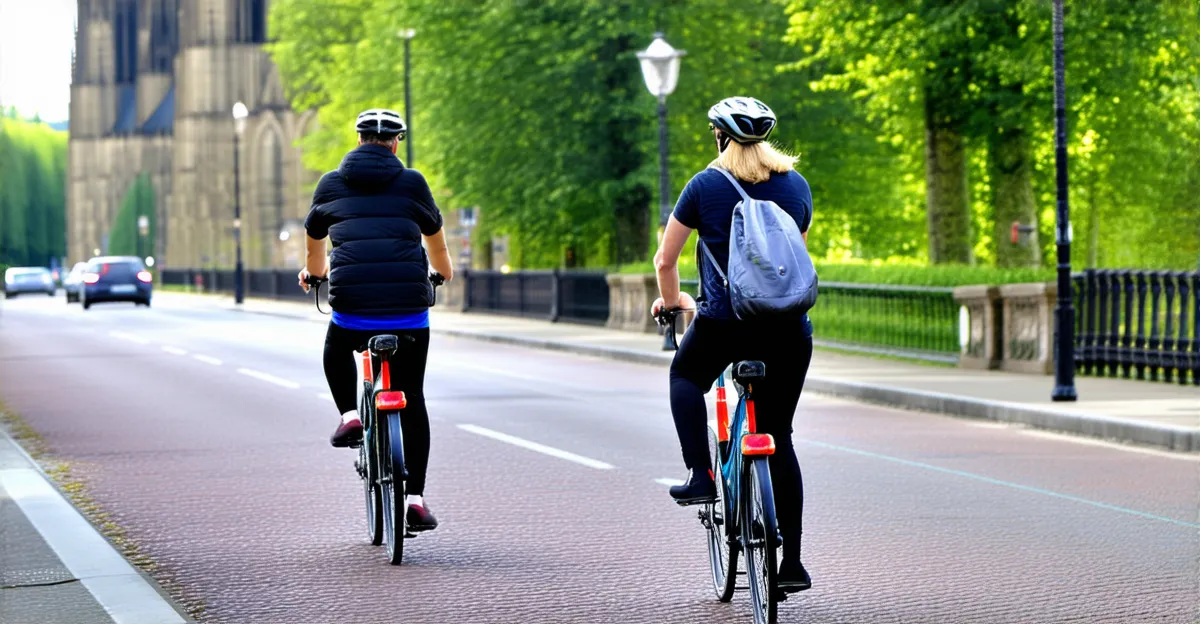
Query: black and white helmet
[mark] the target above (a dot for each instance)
(744, 119)
(382, 122)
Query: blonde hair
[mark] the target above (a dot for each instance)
(755, 162)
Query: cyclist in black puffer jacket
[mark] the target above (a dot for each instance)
(377, 212)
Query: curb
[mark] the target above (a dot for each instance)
(128, 594)
(1164, 437)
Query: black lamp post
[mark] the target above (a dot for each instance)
(239, 271)
(1064, 312)
(660, 68)
(408, 35)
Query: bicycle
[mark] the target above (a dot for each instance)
(742, 519)
(380, 463)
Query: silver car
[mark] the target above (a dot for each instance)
(25, 280)
(73, 282)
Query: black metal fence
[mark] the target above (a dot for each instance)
(573, 296)
(910, 321)
(916, 322)
(265, 283)
(1143, 324)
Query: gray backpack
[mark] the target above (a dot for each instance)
(770, 271)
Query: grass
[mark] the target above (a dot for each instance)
(74, 488)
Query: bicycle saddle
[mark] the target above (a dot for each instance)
(748, 371)
(383, 345)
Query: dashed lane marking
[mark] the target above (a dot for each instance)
(208, 359)
(129, 337)
(539, 448)
(174, 350)
(291, 385)
(666, 481)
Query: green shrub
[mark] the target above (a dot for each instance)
(890, 274)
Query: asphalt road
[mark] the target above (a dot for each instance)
(203, 432)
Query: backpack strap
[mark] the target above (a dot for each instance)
(713, 262)
(734, 182)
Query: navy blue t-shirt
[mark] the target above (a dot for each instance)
(706, 205)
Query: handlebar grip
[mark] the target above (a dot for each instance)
(437, 279)
(313, 280)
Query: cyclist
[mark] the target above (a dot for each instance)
(377, 211)
(716, 339)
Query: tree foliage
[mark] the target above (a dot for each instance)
(32, 192)
(535, 111)
(125, 238)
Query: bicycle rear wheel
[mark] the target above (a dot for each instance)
(760, 538)
(368, 470)
(722, 555)
(391, 458)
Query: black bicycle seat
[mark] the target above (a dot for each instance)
(749, 371)
(386, 344)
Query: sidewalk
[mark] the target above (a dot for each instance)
(1154, 414)
(54, 567)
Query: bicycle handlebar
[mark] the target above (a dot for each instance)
(666, 319)
(435, 278)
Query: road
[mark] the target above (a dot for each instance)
(203, 433)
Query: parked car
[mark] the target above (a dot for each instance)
(73, 282)
(25, 280)
(116, 278)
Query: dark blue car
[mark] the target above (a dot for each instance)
(116, 278)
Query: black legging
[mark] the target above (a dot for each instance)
(408, 375)
(708, 347)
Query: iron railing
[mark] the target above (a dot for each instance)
(916, 322)
(265, 283)
(572, 296)
(1143, 324)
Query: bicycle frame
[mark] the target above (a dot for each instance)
(733, 457)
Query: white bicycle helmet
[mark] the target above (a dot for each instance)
(382, 122)
(743, 119)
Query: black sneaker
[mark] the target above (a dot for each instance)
(420, 519)
(793, 577)
(698, 490)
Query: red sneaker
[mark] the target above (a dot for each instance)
(348, 434)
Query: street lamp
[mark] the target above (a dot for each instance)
(143, 226)
(1064, 312)
(408, 35)
(660, 69)
(240, 113)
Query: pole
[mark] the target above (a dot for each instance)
(408, 102)
(664, 179)
(239, 293)
(1064, 347)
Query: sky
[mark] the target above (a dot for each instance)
(36, 41)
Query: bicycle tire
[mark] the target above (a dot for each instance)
(760, 539)
(368, 471)
(395, 512)
(722, 555)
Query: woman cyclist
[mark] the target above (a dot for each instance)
(377, 212)
(717, 338)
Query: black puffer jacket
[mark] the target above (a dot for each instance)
(375, 210)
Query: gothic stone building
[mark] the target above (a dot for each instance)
(153, 88)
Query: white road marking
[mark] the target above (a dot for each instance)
(208, 359)
(121, 591)
(291, 385)
(129, 337)
(326, 396)
(534, 446)
(174, 350)
(665, 481)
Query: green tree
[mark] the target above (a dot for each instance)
(125, 238)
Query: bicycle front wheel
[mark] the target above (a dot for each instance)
(760, 538)
(722, 556)
(391, 458)
(368, 471)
